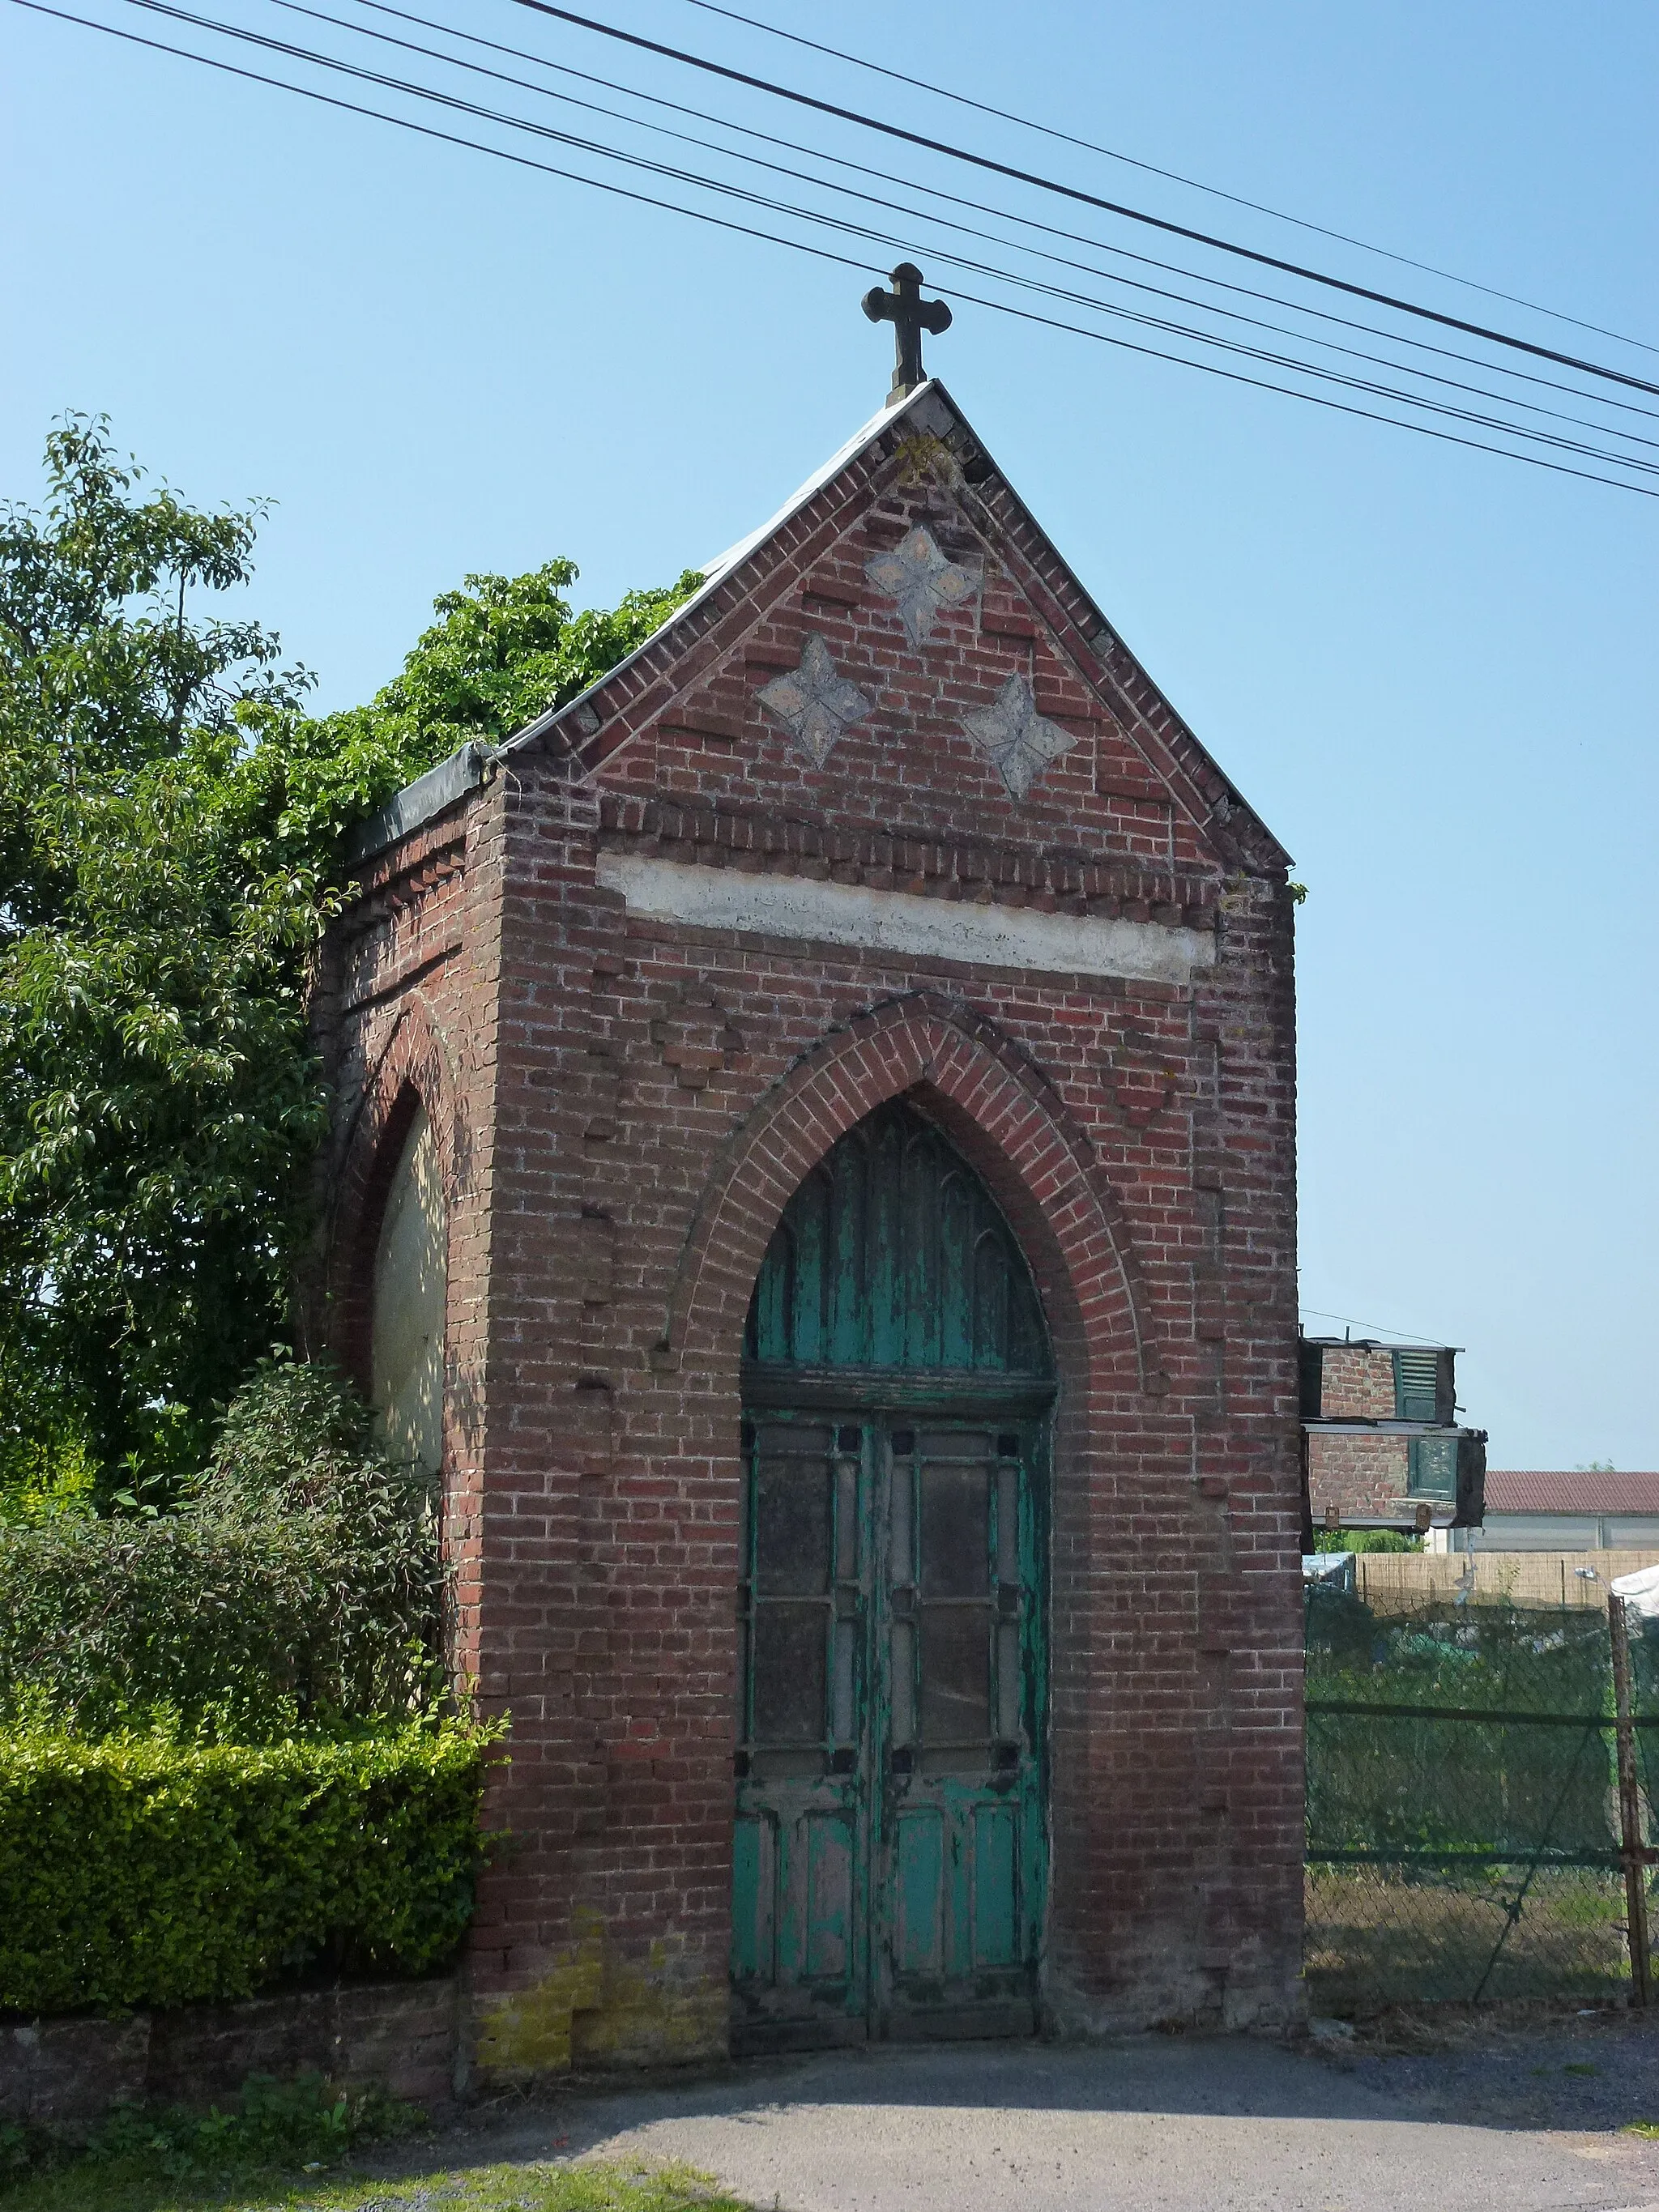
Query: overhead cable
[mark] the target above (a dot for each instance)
(1381, 1328)
(1075, 192)
(1152, 169)
(708, 145)
(1064, 294)
(978, 207)
(822, 253)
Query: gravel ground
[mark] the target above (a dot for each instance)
(1524, 2115)
(1597, 2071)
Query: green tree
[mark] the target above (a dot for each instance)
(503, 650)
(172, 827)
(154, 1094)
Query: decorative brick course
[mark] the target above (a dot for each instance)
(629, 1103)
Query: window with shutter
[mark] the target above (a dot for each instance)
(1422, 1388)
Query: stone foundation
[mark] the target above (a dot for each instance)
(402, 2036)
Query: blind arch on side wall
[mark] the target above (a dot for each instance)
(408, 1303)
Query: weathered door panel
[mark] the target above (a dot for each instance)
(890, 1853)
(799, 1916)
(958, 1856)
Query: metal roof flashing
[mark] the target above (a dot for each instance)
(1380, 1344)
(421, 801)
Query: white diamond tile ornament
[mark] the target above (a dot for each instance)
(1017, 738)
(923, 580)
(814, 704)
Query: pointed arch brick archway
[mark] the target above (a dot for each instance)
(1115, 1448)
(413, 1072)
(1013, 1127)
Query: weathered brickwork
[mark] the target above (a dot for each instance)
(625, 1104)
(406, 1009)
(69, 2072)
(1356, 1383)
(1356, 1478)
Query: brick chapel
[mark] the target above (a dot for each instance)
(814, 1174)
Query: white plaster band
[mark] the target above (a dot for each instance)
(903, 921)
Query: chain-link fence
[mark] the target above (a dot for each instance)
(1467, 1839)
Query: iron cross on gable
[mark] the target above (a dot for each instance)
(910, 315)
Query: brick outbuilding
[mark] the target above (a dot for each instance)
(815, 1165)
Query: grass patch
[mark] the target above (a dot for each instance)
(298, 2147)
(1383, 1935)
(132, 2184)
(150, 2156)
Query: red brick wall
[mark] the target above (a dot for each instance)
(1359, 1476)
(404, 1011)
(633, 1103)
(1355, 1382)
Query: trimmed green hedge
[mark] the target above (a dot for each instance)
(139, 1871)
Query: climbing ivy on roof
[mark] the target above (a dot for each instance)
(503, 650)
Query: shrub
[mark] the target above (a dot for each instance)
(1371, 1541)
(301, 1582)
(303, 2121)
(139, 1871)
(297, 1438)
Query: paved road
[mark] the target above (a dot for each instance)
(1144, 2124)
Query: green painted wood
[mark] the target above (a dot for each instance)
(800, 1877)
(1431, 1466)
(918, 1863)
(996, 1885)
(965, 1667)
(751, 1932)
(892, 1254)
(890, 1847)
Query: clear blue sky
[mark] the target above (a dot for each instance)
(1433, 672)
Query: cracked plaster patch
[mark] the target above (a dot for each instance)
(814, 702)
(1019, 741)
(917, 574)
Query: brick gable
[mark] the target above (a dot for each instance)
(684, 718)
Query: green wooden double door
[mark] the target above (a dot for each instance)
(890, 1853)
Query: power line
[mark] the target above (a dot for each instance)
(1152, 169)
(1067, 296)
(1088, 199)
(408, 46)
(1313, 398)
(1381, 1328)
(820, 253)
(749, 230)
(453, 139)
(980, 207)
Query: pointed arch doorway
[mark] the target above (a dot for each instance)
(890, 1853)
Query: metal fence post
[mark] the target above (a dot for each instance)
(1630, 1802)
